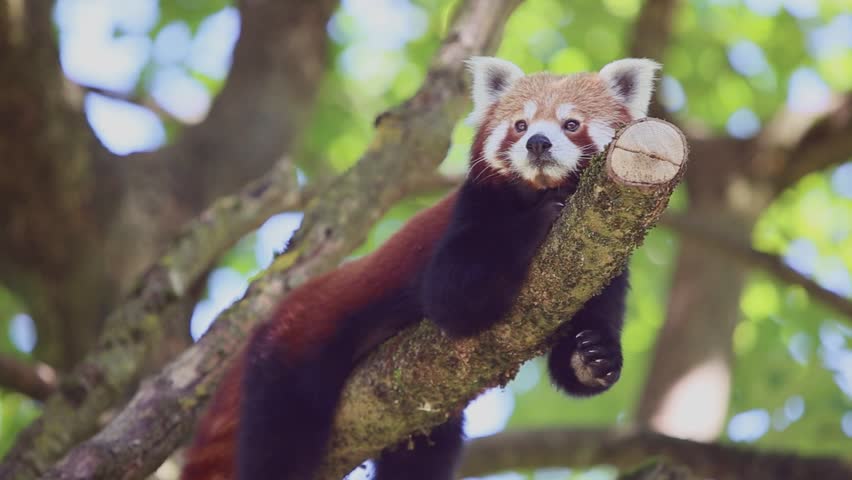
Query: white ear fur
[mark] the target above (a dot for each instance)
(631, 81)
(492, 77)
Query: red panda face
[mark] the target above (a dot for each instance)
(542, 128)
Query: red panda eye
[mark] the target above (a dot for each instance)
(571, 125)
(521, 126)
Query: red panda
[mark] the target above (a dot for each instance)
(459, 263)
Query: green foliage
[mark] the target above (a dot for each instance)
(791, 349)
(16, 412)
(191, 12)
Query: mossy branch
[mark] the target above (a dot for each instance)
(417, 379)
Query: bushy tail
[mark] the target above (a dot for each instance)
(211, 455)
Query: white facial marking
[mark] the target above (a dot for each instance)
(564, 152)
(492, 144)
(529, 109)
(564, 111)
(601, 133)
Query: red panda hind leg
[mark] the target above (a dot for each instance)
(431, 457)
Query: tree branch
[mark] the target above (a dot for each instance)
(34, 379)
(625, 449)
(279, 61)
(418, 378)
(828, 142)
(410, 139)
(132, 329)
(716, 240)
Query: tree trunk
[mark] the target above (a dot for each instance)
(83, 224)
(49, 228)
(688, 386)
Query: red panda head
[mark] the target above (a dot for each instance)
(541, 129)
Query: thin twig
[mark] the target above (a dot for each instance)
(34, 379)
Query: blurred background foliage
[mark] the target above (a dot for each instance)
(731, 66)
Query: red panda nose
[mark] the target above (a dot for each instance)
(538, 144)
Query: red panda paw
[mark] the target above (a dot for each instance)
(587, 363)
(596, 361)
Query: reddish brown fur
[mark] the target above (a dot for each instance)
(298, 324)
(586, 92)
(211, 455)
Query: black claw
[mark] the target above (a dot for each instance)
(600, 366)
(587, 337)
(600, 355)
(587, 333)
(594, 352)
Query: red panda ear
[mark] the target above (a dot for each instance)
(492, 77)
(631, 81)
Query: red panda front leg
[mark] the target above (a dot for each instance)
(481, 262)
